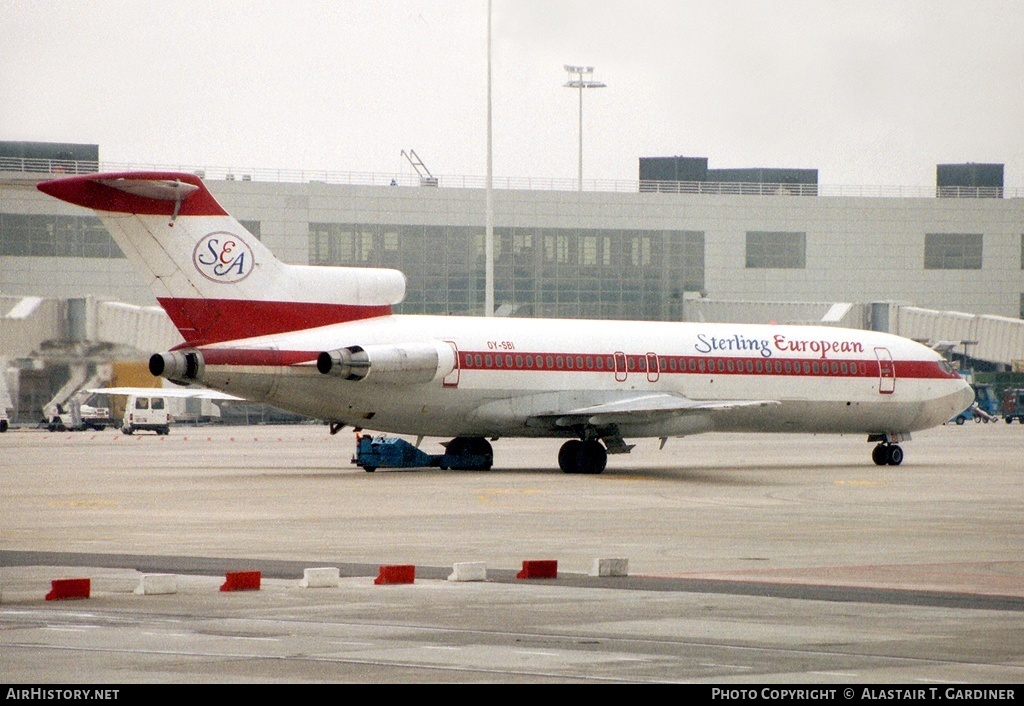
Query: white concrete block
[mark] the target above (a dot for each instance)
(469, 571)
(610, 567)
(157, 585)
(326, 577)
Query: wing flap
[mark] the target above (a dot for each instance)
(194, 392)
(646, 408)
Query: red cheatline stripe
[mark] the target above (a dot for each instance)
(701, 365)
(636, 364)
(205, 321)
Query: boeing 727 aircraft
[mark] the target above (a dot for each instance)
(323, 342)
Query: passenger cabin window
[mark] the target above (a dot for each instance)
(141, 403)
(158, 403)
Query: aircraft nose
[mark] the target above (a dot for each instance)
(965, 397)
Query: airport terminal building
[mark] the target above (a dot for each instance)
(658, 248)
(625, 250)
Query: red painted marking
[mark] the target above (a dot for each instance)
(204, 321)
(703, 365)
(255, 356)
(88, 192)
(61, 589)
(539, 569)
(402, 573)
(241, 581)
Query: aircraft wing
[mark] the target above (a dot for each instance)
(192, 392)
(645, 408)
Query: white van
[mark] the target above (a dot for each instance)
(143, 412)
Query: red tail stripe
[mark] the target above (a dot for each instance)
(255, 356)
(205, 321)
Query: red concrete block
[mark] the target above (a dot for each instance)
(539, 569)
(61, 589)
(402, 573)
(241, 581)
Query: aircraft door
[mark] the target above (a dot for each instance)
(886, 371)
(620, 366)
(653, 370)
(452, 378)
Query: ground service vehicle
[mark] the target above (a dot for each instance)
(78, 417)
(1013, 405)
(146, 413)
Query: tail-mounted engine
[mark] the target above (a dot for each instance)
(178, 366)
(389, 364)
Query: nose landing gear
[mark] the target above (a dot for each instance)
(886, 454)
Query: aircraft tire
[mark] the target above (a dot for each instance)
(894, 455)
(960, 421)
(568, 455)
(880, 455)
(587, 457)
(3, 425)
(592, 458)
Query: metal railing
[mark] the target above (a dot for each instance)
(304, 176)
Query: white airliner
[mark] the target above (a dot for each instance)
(323, 342)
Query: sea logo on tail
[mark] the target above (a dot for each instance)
(223, 257)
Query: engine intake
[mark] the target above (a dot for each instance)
(178, 366)
(391, 364)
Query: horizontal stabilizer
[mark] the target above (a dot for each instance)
(163, 190)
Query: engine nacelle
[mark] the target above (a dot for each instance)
(178, 366)
(389, 364)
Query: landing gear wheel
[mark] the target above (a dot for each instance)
(894, 457)
(593, 458)
(568, 454)
(577, 456)
(887, 455)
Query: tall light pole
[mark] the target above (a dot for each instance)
(581, 83)
(489, 197)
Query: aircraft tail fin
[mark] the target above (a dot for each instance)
(216, 280)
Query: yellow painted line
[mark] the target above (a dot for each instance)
(486, 496)
(84, 503)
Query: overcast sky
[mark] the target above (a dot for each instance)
(872, 93)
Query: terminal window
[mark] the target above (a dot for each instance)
(776, 250)
(28, 235)
(952, 251)
(541, 272)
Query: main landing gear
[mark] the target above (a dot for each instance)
(577, 456)
(886, 454)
